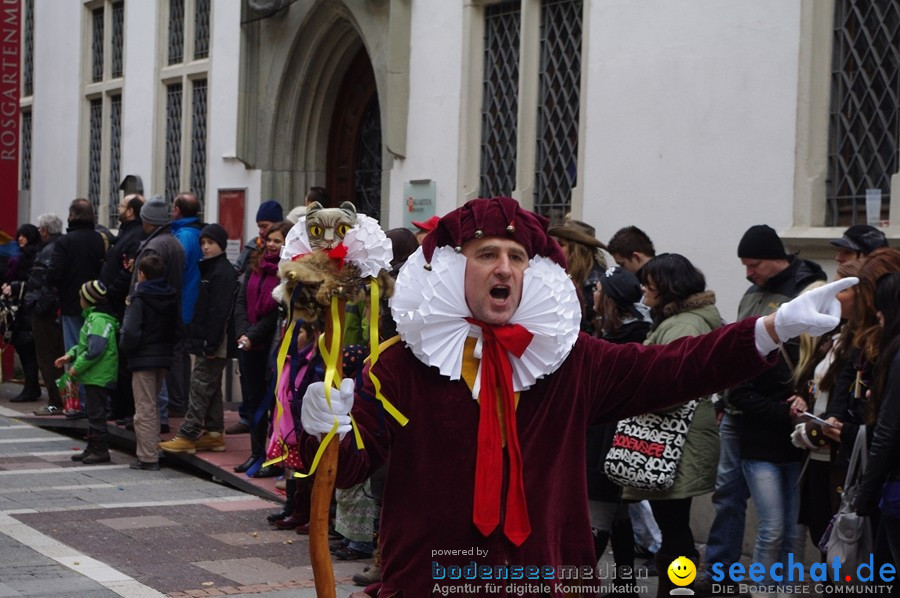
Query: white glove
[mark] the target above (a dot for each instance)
(815, 312)
(809, 436)
(317, 418)
(800, 439)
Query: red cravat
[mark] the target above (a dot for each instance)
(496, 376)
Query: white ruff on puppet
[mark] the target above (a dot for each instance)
(325, 272)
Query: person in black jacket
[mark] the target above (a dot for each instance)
(77, 258)
(880, 486)
(147, 339)
(755, 425)
(621, 318)
(42, 302)
(16, 276)
(116, 275)
(208, 336)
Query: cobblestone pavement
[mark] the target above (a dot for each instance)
(68, 529)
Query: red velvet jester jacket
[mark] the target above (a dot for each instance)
(426, 521)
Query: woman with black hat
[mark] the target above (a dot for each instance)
(616, 301)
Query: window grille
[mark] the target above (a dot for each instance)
(201, 29)
(176, 31)
(118, 33)
(97, 46)
(28, 51)
(558, 107)
(115, 140)
(26, 150)
(368, 163)
(173, 141)
(500, 104)
(198, 139)
(865, 107)
(94, 152)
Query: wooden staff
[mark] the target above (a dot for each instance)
(323, 483)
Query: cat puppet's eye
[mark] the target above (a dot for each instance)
(315, 230)
(343, 229)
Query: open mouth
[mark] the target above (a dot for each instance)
(500, 292)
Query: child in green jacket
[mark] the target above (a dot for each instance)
(94, 362)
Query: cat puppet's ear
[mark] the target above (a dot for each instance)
(349, 207)
(313, 207)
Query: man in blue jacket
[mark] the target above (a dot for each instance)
(186, 227)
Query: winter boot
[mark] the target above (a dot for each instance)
(371, 574)
(96, 452)
(80, 456)
(300, 513)
(289, 490)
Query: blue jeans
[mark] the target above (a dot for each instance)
(774, 490)
(726, 535)
(71, 326)
(646, 532)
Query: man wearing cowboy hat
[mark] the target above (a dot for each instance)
(498, 386)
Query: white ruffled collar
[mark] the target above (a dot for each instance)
(429, 307)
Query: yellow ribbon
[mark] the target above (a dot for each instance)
(330, 357)
(374, 351)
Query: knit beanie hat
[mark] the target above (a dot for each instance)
(216, 233)
(155, 211)
(761, 242)
(270, 211)
(94, 292)
(494, 217)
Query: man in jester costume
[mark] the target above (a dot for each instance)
(483, 400)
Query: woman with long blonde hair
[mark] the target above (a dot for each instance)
(585, 264)
(820, 358)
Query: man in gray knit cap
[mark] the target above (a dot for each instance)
(162, 243)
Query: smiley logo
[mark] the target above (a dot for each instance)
(682, 571)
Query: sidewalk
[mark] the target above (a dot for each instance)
(218, 464)
(167, 531)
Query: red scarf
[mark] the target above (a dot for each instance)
(496, 376)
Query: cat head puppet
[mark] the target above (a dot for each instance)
(327, 227)
(310, 280)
